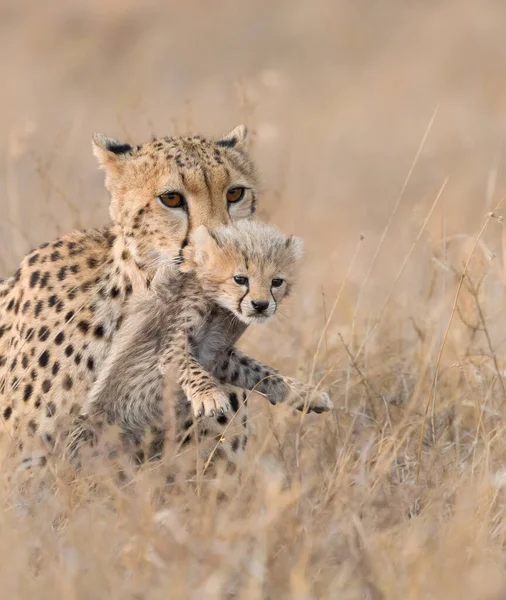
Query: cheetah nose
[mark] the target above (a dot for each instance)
(260, 305)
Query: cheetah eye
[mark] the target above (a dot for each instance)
(240, 280)
(278, 282)
(235, 194)
(172, 199)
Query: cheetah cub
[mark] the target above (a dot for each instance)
(228, 279)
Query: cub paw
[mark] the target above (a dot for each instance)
(307, 398)
(320, 403)
(210, 404)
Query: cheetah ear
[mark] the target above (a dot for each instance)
(238, 138)
(295, 247)
(204, 245)
(110, 153)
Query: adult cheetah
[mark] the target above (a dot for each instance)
(61, 310)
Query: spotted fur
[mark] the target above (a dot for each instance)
(61, 312)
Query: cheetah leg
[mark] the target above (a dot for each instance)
(244, 371)
(204, 390)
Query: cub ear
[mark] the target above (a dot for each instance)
(295, 246)
(111, 154)
(238, 138)
(203, 244)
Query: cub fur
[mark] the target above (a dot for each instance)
(186, 330)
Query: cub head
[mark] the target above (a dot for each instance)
(162, 190)
(247, 267)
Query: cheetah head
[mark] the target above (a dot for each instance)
(247, 267)
(162, 190)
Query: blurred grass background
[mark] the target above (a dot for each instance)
(363, 115)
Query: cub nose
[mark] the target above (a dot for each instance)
(259, 305)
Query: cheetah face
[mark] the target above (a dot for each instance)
(248, 267)
(162, 190)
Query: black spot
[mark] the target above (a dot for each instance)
(24, 361)
(118, 148)
(58, 244)
(83, 326)
(72, 294)
(67, 383)
(44, 358)
(69, 316)
(10, 306)
(92, 262)
(28, 392)
(38, 308)
(50, 409)
(124, 254)
(222, 419)
(62, 273)
(59, 306)
(114, 292)
(14, 364)
(37, 402)
(45, 278)
(59, 339)
(75, 269)
(228, 143)
(77, 359)
(234, 401)
(46, 386)
(33, 259)
(69, 350)
(32, 426)
(90, 363)
(235, 443)
(7, 413)
(140, 456)
(52, 300)
(128, 289)
(55, 256)
(99, 331)
(56, 368)
(43, 333)
(26, 306)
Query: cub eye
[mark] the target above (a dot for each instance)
(240, 280)
(278, 282)
(172, 199)
(235, 194)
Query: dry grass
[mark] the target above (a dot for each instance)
(382, 120)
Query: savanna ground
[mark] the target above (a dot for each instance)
(378, 132)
